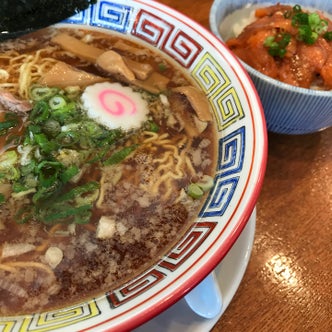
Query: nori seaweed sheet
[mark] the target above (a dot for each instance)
(22, 16)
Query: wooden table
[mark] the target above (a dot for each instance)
(288, 283)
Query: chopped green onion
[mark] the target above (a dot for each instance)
(206, 183)
(87, 198)
(10, 121)
(57, 102)
(72, 91)
(28, 168)
(4, 126)
(2, 198)
(66, 114)
(45, 144)
(195, 191)
(310, 26)
(288, 14)
(69, 173)
(40, 112)
(34, 129)
(120, 155)
(77, 191)
(328, 35)
(81, 213)
(44, 193)
(306, 35)
(23, 215)
(38, 93)
(45, 172)
(8, 168)
(162, 66)
(152, 126)
(31, 181)
(48, 173)
(300, 19)
(18, 187)
(68, 138)
(51, 127)
(314, 20)
(276, 45)
(93, 129)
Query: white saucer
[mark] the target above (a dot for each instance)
(229, 274)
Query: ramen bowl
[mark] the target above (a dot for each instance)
(240, 155)
(288, 109)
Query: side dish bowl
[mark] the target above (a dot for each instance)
(241, 161)
(288, 109)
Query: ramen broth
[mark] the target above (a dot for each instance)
(86, 206)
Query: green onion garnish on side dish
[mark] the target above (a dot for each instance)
(328, 35)
(277, 44)
(309, 27)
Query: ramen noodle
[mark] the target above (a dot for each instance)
(107, 153)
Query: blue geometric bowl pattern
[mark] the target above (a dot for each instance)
(229, 167)
(106, 14)
(228, 98)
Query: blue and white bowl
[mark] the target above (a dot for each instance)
(288, 109)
